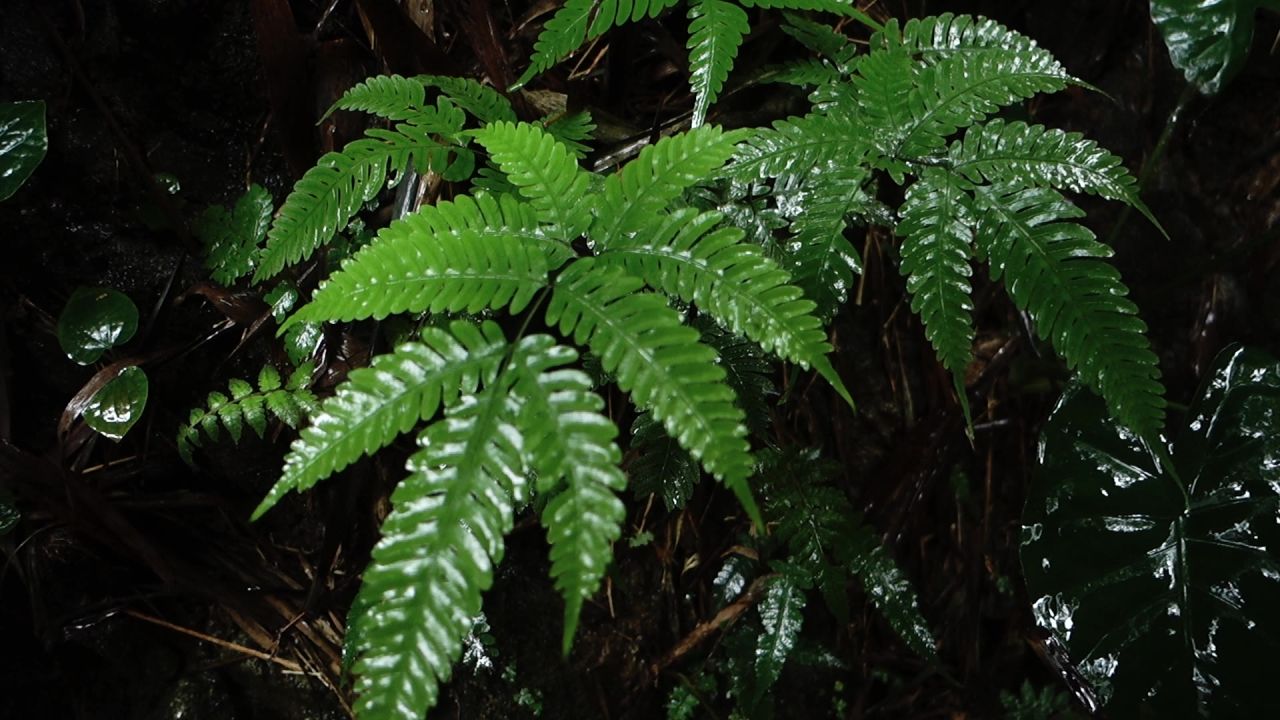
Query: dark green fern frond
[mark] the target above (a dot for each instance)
(388, 96)
(660, 362)
(947, 36)
(483, 102)
(439, 546)
(1032, 155)
(806, 73)
(821, 260)
(844, 8)
(716, 30)
(732, 281)
(580, 20)
(634, 196)
(231, 239)
(546, 173)
(1053, 269)
(289, 403)
(792, 148)
(572, 130)
(330, 194)
(378, 403)
(937, 222)
(820, 38)
(570, 439)
(465, 256)
(659, 466)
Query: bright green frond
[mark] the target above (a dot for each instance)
(332, 192)
(465, 256)
(732, 281)
(246, 406)
(716, 30)
(821, 259)
(378, 403)
(844, 8)
(820, 38)
(937, 227)
(658, 360)
(806, 73)
(388, 96)
(946, 36)
(231, 239)
(792, 148)
(545, 171)
(580, 20)
(485, 103)
(571, 440)
(634, 196)
(439, 546)
(1032, 155)
(1053, 269)
(572, 130)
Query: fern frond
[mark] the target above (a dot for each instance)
(572, 130)
(326, 198)
(378, 403)
(716, 30)
(820, 38)
(644, 187)
(1032, 155)
(660, 466)
(660, 362)
(485, 103)
(580, 20)
(821, 260)
(439, 546)
(844, 8)
(947, 36)
(289, 403)
(569, 438)
(545, 172)
(230, 239)
(388, 96)
(1052, 267)
(792, 148)
(466, 256)
(806, 73)
(732, 281)
(937, 222)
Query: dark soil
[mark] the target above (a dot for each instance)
(127, 562)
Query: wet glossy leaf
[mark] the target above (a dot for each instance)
(9, 514)
(1165, 585)
(94, 320)
(118, 405)
(1207, 39)
(23, 143)
(781, 615)
(231, 239)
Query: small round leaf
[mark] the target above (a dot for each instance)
(94, 320)
(118, 405)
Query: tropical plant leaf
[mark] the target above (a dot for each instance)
(94, 320)
(844, 8)
(545, 171)
(1208, 40)
(580, 20)
(822, 262)
(1053, 270)
(485, 103)
(1155, 563)
(231, 239)
(781, 618)
(660, 362)
(392, 97)
(659, 465)
(792, 148)
(716, 30)
(289, 403)
(378, 403)
(572, 130)
(23, 143)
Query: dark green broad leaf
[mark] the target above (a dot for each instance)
(94, 320)
(118, 405)
(23, 143)
(1207, 39)
(1164, 583)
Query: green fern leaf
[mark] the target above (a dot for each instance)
(574, 24)
(247, 406)
(643, 189)
(1053, 270)
(660, 362)
(792, 148)
(485, 103)
(659, 465)
(545, 172)
(388, 96)
(732, 281)
(809, 72)
(937, 221)
(572, 130)
(844, 8)
(330, 194)
(439, 547)
(781, 616)
(948, 36)
(378, 403)
(466, 256)
(820, 38)
(821, 260)
(716, 30)
(231, 239)
(570, 439)
(1031, 155)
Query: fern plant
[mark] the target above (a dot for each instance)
(290, 402)
(716, 31)
(917, 109)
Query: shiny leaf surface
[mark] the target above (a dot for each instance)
(94, 320)
(1163, 581)
(115, 408)
(23, 143)
(1207, 39)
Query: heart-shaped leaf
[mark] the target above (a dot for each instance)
(1164, 582)
(94, 320)
(118, 405)
(23, 143)
(1207, 39)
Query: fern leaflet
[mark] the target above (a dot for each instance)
(378, 403)
(660, 362)
(716, 30)
(1054, 271)
(822, 261)
(572, 130)
(388, 96)
(231, 239)
(545, 172)
(574, 24)
(289, 403)
(485, 103)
